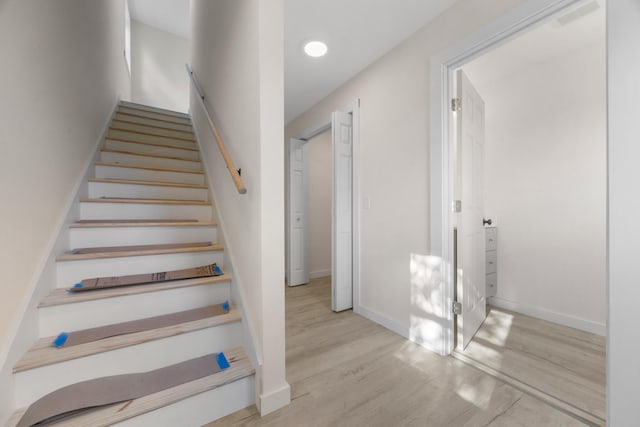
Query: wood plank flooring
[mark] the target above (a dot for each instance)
(347, 371)
(562, 362)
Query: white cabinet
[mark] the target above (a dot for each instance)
(491, 260)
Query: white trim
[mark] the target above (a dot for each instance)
(550, 316)
(385, 321)
(501, 30)
(319, 273)
(275, 400)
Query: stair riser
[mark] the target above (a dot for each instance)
(97, 210)
(106, 156)
(148, 175)
(100, 312)
(135, 191)
(152, 122)
(33, 384)
(132, 136)
(152, 130)
(121, 236)
(201, 408)
(71, 272)
(151, 149)
(151, 111)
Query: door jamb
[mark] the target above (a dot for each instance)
(499, 31)
(309, 133)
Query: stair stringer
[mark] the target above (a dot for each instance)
(238, 293)
(25, 329)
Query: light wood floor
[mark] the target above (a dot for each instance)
(563, 362)
(347, 371)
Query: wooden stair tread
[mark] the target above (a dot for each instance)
(60, 296)
(141, 250)
(134, 112)
(151, 183)
(147, 167)
(106, 223)
(155, 156)
(42, 353)
(188, 132)
(240, 368)
(146, 201)
(155, 135)
(157, 110)
(153, 144)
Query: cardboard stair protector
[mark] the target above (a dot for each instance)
(68, 339)
(141, 279)
(119, 388)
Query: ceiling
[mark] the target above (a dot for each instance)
(360, 31)
(571, 29)
(357, 32)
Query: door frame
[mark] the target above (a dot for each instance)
(306, 135)
(503, 29)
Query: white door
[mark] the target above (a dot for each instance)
(471, 291)
(342, 224)
(298, 273)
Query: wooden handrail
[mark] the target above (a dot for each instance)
(235, 173)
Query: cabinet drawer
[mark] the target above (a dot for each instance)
(491, 261)
(492, 284)
(490, 238)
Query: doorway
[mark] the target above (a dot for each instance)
(342, 132)
(550, 170)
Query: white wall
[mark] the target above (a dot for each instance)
(237, 57)
(623, 345)
(320, 173)
(63, 69)
(545, 184)
(158, 76)
(394, 168)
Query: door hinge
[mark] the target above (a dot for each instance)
(456, 104)
(457, 206)
(456, 307)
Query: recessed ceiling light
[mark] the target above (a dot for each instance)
(315, 48)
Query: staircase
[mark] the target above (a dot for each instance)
(148, 190)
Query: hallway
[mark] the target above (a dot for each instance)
(347, 371)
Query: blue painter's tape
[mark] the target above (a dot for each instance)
(217, 271)
(61, 340)
(225, 306)
(78, 286)
(223, 363)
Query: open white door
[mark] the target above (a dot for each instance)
(342, 224)
(470, 158)
(298, 273)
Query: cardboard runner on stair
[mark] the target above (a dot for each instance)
(92, 394)
(142, 279)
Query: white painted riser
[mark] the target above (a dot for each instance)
(132, 136)
(107, 311)
(106, 156)
(151, 149)
(150, 113)
(199, 409)
(71, 272)
(33, 384)
(148, 175)
(98, 210)
(120, 236)
(135, 191)
(152, 130)
(152, 122)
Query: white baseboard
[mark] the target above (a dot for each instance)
(319, 273)
(550, 316)
(275, 400)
